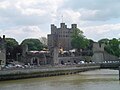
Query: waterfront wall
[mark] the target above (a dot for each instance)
(110, 65)
(44, 72)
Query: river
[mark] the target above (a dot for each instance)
(91, 80)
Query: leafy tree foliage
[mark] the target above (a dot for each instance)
(105, 41)
(111, 46)
(78, 40)
(33, 44)
(11, 43)
(90, 46)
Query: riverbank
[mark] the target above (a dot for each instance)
(44, 72)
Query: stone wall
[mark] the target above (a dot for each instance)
(44, 72)
(2, 52)
(74, 60)
(100, 55)
(109, 57)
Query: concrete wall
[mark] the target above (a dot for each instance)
(44, 72)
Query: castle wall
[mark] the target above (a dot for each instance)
(2, 52)
(109, 57)
(70, 60)
(2, 58)
(100, 55)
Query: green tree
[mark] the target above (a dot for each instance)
(78, 40)
(33, 44)
(11, 43)
(90, 44)
(111, 46)
(104, 41)
(114, 47)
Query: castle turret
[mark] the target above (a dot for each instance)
(53, 29)
(74, 26)
(62, 25)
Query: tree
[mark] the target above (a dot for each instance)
(78, 40)
(11, 43)
(103, 41)
(111, 46)
(90, 46)
(33, 44)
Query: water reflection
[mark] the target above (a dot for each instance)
(91, 80)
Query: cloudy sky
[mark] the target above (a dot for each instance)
(22, 19)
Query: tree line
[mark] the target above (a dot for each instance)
(13, 47)
(81, 43)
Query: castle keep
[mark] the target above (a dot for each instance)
(61, 37)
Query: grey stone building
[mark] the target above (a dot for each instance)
(35, 57)
(61, 37)
(100, 55)
(2, 52)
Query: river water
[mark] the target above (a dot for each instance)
(91, 80)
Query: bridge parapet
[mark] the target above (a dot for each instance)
(110, 65)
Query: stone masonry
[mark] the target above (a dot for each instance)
(2, 52)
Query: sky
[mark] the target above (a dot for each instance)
(21, 19)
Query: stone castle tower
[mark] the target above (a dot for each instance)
(61, 37)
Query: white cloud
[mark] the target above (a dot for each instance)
(4, 4)
(106, 9)
(104, 28)
(69, 15)
(24, 32)
(102, 31)
(31, 11)
(31, 18)
(87, 14)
